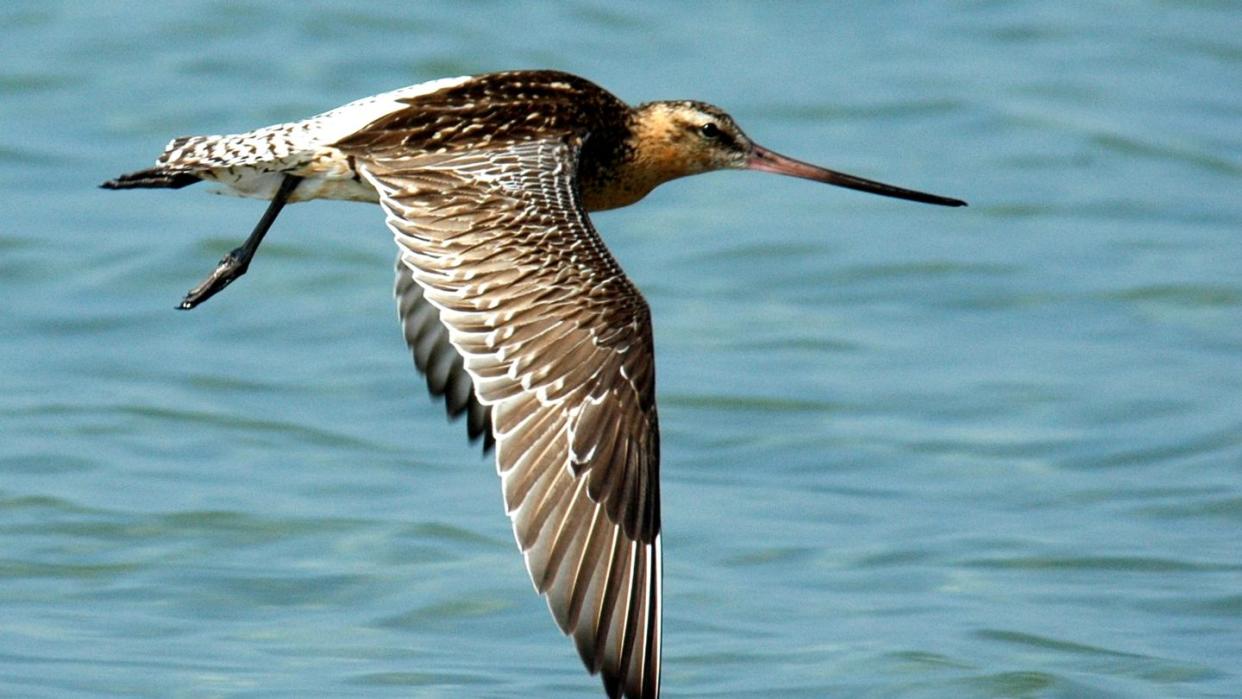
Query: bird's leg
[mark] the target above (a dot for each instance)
(235, 264)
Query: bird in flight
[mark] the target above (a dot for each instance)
(513, 308)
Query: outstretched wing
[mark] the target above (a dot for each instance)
(557, 343)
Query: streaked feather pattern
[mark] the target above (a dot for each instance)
(513, 309)
(557, 344)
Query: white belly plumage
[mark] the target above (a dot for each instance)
(262, 181)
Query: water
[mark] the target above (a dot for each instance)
(908, 451)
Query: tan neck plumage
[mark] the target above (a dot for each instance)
(655, 153)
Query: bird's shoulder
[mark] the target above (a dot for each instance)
(493, 111)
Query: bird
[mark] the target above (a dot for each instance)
(514, 310)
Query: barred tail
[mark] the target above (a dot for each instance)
(153, 178)
(188, 159)
(174, 168)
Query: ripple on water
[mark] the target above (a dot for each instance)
(16, 84)
(1089, 658)
(1131, 146)
(913, 109)
(423, 679)
(1207, 505)
(1110, 564)
(1172, 448)
(1181, 295)
(445, 615)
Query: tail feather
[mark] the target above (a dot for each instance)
(153, 178)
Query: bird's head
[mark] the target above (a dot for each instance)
(682, 138)
(677, 139)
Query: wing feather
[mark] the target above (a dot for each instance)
(520, 317)
(429, 344)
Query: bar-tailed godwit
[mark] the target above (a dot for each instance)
(513, 308)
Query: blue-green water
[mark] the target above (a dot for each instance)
(908, 451)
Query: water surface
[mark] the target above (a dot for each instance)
(907, 451)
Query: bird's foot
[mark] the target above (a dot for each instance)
(231, 266)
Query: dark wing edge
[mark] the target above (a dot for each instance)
(436, 358)
(557, 344)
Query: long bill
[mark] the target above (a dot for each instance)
(765, 160)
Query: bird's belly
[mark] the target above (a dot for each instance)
(262, 183)
(325, 188)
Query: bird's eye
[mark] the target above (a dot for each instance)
(710, 130)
